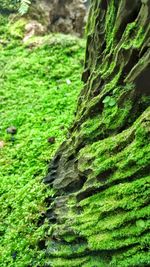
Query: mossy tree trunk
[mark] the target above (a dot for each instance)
(100, 176)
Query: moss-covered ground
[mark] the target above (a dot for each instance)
(38, 92)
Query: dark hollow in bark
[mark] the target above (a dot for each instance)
(100, 176)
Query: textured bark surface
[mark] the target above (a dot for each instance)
(98, 212)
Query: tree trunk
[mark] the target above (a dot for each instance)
(100, 175)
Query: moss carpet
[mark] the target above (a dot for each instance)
(38, 93)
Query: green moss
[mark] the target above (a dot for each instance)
(17, 28)
(65, 249)
(109, 214)
(106, 217)
(38, 101)
(109, 23)
(62, 262)
(105, 222)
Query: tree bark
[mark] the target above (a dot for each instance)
(100, 175)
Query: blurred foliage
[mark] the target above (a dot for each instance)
(15, 5)
(24, 6)
(8, 5)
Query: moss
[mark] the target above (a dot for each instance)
(114, 215)
(100, 211)
(65, 249)
(109, 23)
(37, 100)
(61, 262)
(72, 42)
(17, 28)
(107, 155)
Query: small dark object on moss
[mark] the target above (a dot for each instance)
(12, 139)
(82, 62)
(11, 130)
(62, 127)
(14, 255)
(51, 140)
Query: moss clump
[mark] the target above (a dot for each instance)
(17, 28)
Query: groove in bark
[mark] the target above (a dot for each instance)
(99, 212)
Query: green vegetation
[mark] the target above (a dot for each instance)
(24, 6)
(21, 6)
(39, 89)
(8, 5)
(97, 199)
(102, 199)
(17, 28)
